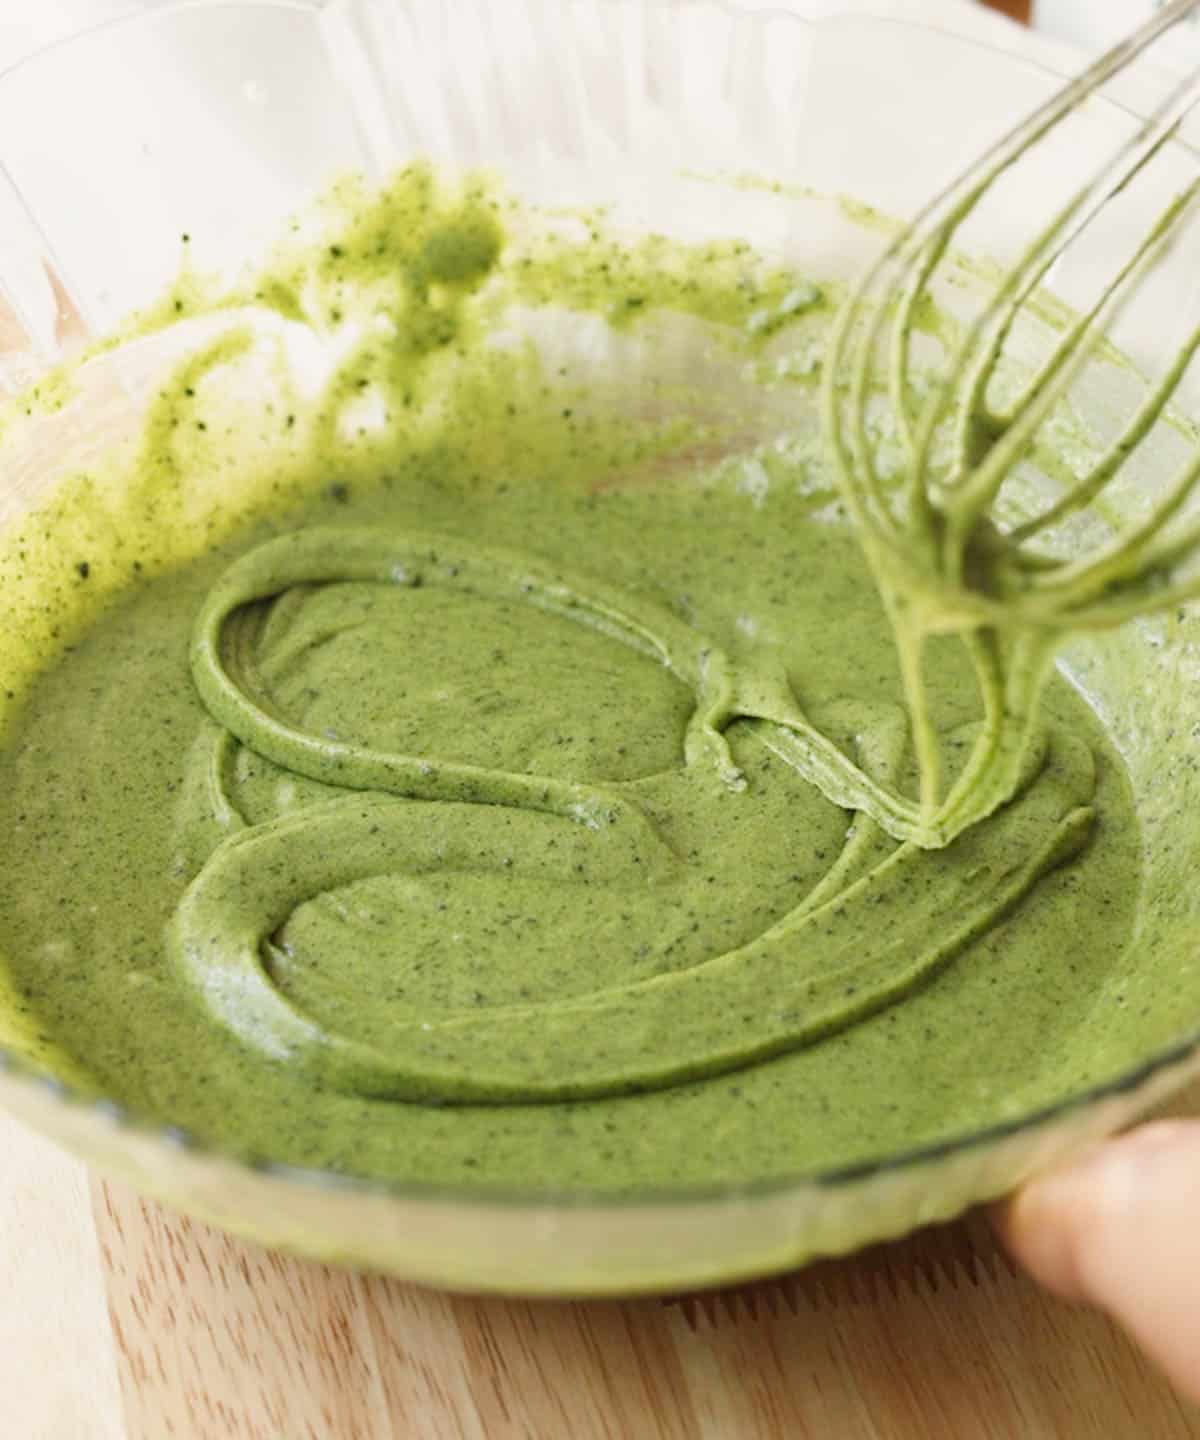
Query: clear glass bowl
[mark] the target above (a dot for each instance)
(217, 119)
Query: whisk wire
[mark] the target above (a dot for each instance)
(927, 238)
(979, 351)
(942, 561)
(978, 490)
(1090, 485)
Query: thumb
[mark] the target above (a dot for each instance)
(1120, 1229)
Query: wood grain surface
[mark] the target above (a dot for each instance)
(120, 1320)
(1015, 9)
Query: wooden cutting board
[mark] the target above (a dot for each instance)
(1016, 9)
(120, 1320)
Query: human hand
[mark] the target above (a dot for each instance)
(1120, 1229)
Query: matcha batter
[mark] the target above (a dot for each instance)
(447, 815)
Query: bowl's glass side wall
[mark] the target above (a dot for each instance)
(215, 120)
(574, 1247)
(211, 122)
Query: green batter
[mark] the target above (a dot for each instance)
(442, 807)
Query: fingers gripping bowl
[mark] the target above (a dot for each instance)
(556, 385)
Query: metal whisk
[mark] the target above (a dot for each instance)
(943, 561)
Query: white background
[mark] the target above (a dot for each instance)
(26, 25)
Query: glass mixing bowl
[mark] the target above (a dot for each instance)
(214, 120)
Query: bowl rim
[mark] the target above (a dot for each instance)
(114, 1114)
